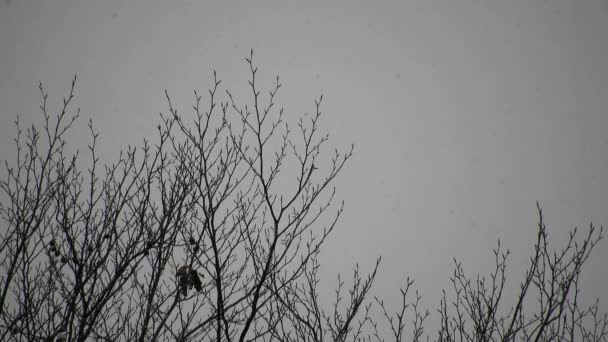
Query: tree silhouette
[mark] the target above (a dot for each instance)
(212, 231)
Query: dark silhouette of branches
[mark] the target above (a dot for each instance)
(213, 231)
(205, 233)
(547, 307)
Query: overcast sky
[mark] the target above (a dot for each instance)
(463, 113)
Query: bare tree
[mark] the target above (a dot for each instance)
(213, 231)
(208, 233)
(547, 306)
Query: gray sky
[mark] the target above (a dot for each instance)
(463, 113)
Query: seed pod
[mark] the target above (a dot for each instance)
(195, 281)
(182, 271)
